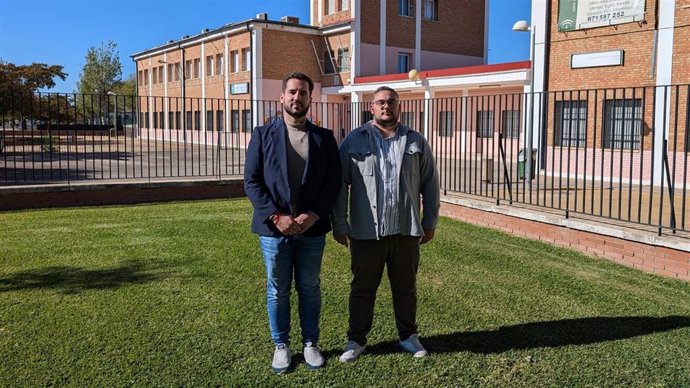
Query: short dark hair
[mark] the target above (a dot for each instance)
(300, 76)
(387, 89)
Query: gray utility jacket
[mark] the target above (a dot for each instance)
(418, 176)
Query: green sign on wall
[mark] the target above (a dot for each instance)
(580, 14)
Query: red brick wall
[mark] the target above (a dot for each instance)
(459, 29)
(653, 259)
(636, 39)
(277, 65)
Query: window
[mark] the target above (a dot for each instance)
(446, 123)
(485, 123)
(171, 120)
(344, 5)
(622, 124)
(220, 120)
(405, 7)
(171, 70)
(188, 68)
(178, 68)
(219, 64)
(178, 124)
(407, 119)
(403, 62)
(140, 77)
(510, 123)
(247, 120)
(235, 61)
(570, 123)
(328, 63)
(247, 59)
(155, 75)
(430, 10)
(161, 119)
(155, 119)
(197, 68)
(188, 122)
(197, 120)
(344, 59)
(366, 116)
(209, 120)
(209, 66)
(330, 7)
(146, 77)
(160, 74)
(234, 121)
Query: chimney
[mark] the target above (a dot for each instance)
(290, 19)
(262, 16)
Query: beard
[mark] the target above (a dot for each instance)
(298, 112)
(386, 122)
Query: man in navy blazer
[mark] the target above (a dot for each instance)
(292, 177)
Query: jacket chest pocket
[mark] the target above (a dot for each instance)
(363, 161)
(410, 162)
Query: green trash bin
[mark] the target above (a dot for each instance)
(521, 163)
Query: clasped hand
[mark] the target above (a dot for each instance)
(291, 226)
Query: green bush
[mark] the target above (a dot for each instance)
(49, 144)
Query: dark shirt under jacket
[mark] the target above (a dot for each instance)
(266, 178)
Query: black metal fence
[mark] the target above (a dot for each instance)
(613, 153)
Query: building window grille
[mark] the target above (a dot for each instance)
(220, 120)
(622, 124)
(407, 119)
(446, 123)
(510, 121)
(570, 119)
(485, 123)
(247, 120)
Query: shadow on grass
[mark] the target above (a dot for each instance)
(72, 280)
(581, 331)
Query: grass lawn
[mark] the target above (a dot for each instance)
(173, 295)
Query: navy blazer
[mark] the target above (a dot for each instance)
(266, 177)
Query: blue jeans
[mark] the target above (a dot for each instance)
(284, 256)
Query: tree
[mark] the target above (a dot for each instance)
(19, 83)
(102, 70)
(99, 77)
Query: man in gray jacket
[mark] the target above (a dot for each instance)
(386, 168)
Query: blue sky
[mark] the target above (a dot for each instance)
(59, 32)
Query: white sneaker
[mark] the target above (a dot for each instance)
(312, 356)
(412, 345)
(352, 351)
(282, 358)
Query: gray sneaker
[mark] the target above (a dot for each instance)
(312, 356)
(352, 351)
(412, 345)
(282, 357)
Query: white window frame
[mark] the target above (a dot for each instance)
(407, 59)
(406, 8)
(430, 10)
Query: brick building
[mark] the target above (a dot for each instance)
(350, 47)
(611, 76)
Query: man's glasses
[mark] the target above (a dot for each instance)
(381, 103)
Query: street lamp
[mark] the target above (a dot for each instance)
(523, 26)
